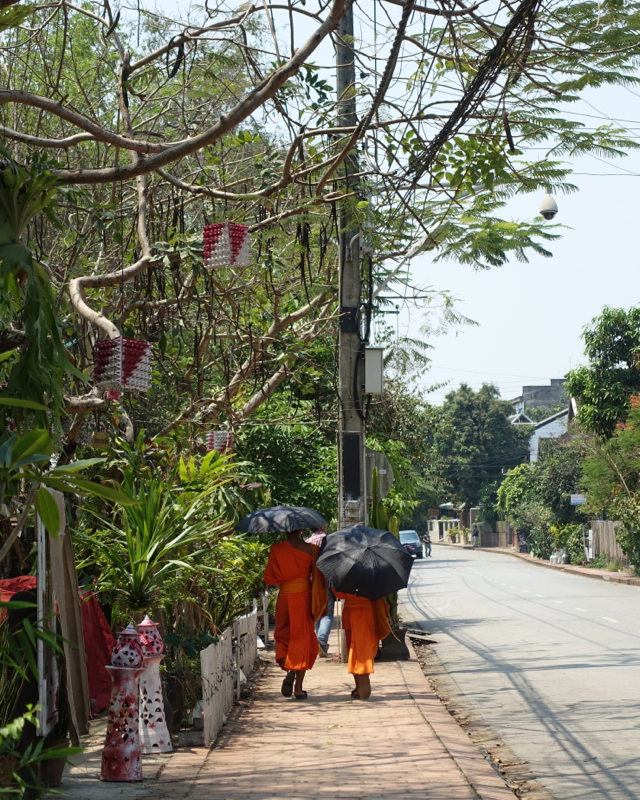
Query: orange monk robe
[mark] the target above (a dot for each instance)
(365, 623)
(301, 601)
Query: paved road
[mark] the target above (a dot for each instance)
(550, 660)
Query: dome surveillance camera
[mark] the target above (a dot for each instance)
(548, 207)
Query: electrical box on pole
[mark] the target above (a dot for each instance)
(373, 370)
(352, 505)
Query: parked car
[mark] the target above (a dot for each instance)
(411, 543)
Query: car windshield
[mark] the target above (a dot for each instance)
(408, 537)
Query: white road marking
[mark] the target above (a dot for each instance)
(581, 609)
(611, 620)
(526, 590)
(559, 602)
(539, 595)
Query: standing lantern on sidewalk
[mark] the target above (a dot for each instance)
(152, 725)
(121, 756)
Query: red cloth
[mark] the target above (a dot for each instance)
(10, 586)
(99, 642)
(98, 638)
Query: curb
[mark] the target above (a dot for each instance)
(477, 771)
(629, 580)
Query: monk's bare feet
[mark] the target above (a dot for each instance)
(364, 687)
(298, 690)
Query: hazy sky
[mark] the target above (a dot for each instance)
(531, 315)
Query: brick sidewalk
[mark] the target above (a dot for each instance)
(400, 744)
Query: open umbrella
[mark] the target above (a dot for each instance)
(365, 561)
(281, 518)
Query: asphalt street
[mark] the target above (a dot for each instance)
(550, 660)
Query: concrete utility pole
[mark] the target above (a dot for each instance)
(352, 506)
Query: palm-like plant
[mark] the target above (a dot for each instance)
(169, 530)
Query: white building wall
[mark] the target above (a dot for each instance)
(552, 430)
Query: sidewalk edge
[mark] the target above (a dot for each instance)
(478, 772)
(566, 568)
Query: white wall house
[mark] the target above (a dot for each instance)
(550, 428)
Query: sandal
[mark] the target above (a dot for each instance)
(302, 696)
(287, 684)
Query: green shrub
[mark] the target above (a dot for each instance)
(570, 539)
(540, 541)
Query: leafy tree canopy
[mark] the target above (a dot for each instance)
(603, 388)
(476, 443)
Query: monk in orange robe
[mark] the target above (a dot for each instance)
(301, 601)
(365, 622)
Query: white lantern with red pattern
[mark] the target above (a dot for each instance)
(226, 244)
(221, 441)
(122, 364)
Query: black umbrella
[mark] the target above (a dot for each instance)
(365, 561)
(281, 518)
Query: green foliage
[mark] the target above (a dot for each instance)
(538, 414)
(36, 370)
(627, 509)
(603, 389)
(612, 466)
(539, 538)
(26, 458)
(517, 488)
(477, 442)
(535, 498)
(297, 464)
(559, 475)
(569, 538)
(378, 515)
(166, 531)
(241, 561)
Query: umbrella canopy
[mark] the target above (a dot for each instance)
(281, 518)
(365, 561)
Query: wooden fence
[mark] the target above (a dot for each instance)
(604, 540)
(501, 537)
(222, 664)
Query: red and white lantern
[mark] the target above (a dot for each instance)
(152, 725)
(222, 441)
(122, 364)
(121, 754)
(226, 244)
(150, 638)
(128, 649)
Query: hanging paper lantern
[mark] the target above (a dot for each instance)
(222, 441)
(122, 364)
(226, 244)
